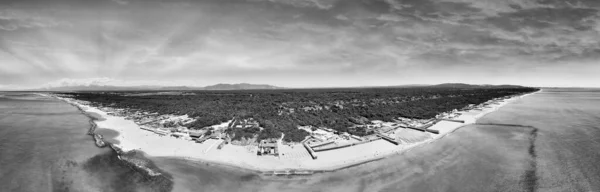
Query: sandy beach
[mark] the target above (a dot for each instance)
(131, 137)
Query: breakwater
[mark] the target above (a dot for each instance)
(98, 138)
(133, 159)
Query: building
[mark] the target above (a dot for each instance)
(268, 147)
(180, 135)
(345, 135)
(322, 135)
(163, 132)
(195, 134)
(356, 137)
(246, 123)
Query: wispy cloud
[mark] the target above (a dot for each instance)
(299, 42)
(122, 2)
(13, 19)
(105, 81)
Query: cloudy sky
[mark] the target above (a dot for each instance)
(299, 43)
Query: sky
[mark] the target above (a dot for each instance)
(299, 43)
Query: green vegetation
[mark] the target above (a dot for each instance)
(281, 111)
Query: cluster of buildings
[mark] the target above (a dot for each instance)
(244, 123)
(449, 115)
(166, 125)
(411, 123)
(268, 147)
(320, 139)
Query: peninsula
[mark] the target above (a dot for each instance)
(284, 132)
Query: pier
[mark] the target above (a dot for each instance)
(423, 129)
(388, 138)
(312, 153)
(322, 144)
(346, 145)
(453, 120)
(288, 173)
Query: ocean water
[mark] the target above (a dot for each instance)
(44, 146)
(549, 141)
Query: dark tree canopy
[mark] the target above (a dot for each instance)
(282, 111)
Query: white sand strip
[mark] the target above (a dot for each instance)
(131, 137)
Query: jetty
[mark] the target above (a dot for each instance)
(288, 173)
(452, 120)
(312, 153)
(322, 144)
(388, 138)
(423, 128)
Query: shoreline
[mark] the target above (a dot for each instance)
(145, 167)
(232, 158)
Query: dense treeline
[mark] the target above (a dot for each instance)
(281, 111)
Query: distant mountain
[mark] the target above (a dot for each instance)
(470, 86)
(241, 86)
(95, 88)
(408, 85)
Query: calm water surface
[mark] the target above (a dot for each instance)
(549, 141)
(44, 147)
(546, 142)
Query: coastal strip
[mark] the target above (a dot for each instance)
(133, 138)
(131, 158)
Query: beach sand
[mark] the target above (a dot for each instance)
(131, 137)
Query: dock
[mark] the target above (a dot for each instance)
(147, 129)
(322, 144)
(388, 138)
(346, 145)
(424, 129)
(312, 153)
(150, 121)
(288, 173)
(453, 120)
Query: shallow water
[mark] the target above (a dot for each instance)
(544, 142)
(44, 146)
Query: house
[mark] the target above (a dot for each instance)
(197, 133)
(345, 135)
(246, 123)
(268, 147)
(322, 135)
(180, 135)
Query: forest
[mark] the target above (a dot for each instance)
(282, 111)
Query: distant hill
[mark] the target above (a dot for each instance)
(95, 88)
(241, 86)
(244, 86)
(471, 86)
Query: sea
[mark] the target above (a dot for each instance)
(549, 141)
